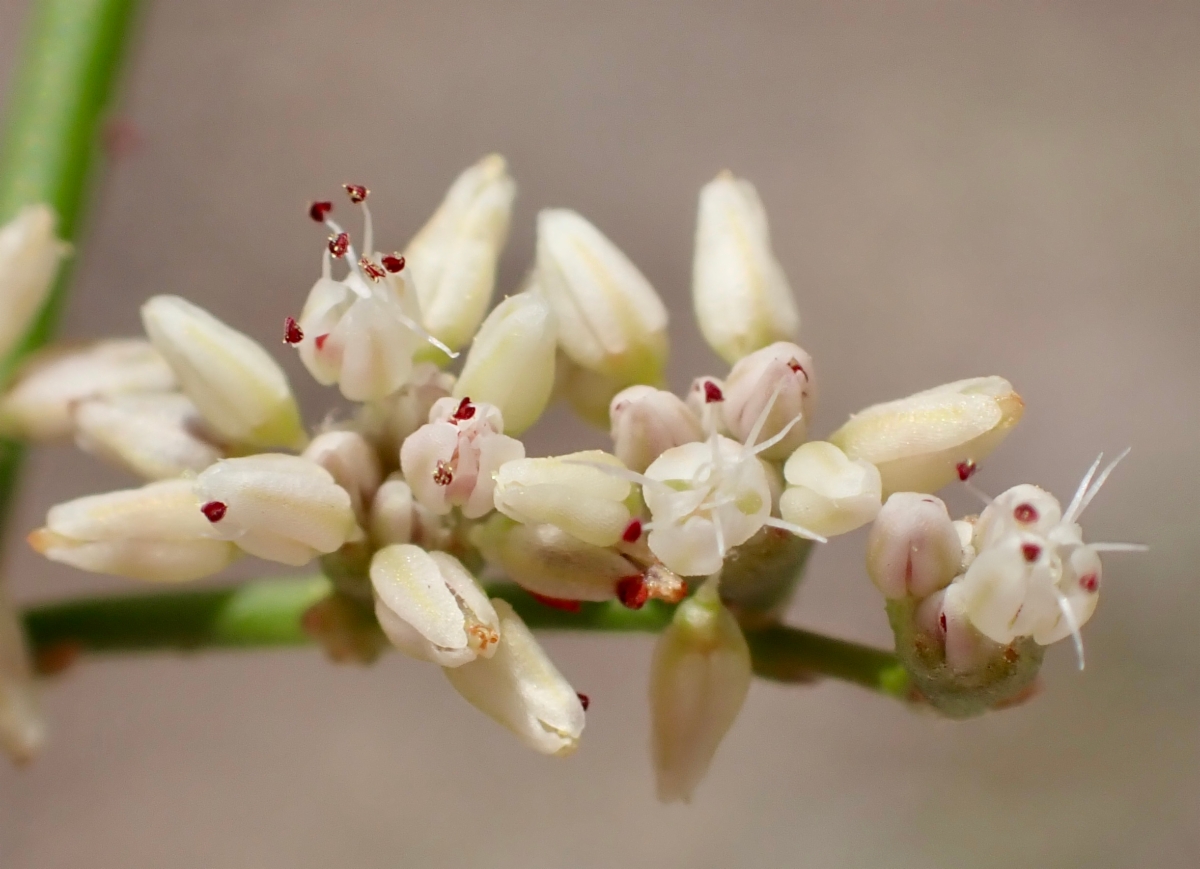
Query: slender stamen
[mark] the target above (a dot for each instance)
(1119, 547)
(1065, 606)
(795, 529)
(1069, 516)
(720, 532)
(756, 430)
(771, 441)
(1100, 480)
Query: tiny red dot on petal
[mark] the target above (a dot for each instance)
(942, 622)
(318, 211)
(712, 392)
(320, 341)
(633, 531)
(1031, 551)
(584, 700)
(214, 511)
(632, 591)
(966, 469)
(1091, 582)
(292, 333)
(1025, 513)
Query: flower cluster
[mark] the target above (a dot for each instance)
(426, 486)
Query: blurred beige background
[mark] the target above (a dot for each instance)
(954, 188)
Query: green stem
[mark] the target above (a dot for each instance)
(64, 86)
(268, 613)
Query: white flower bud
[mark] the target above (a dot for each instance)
(238, 388)
(281, 508)
(827, 492)
(576, 492)
(22, 728)
(431, 607)
(156, 533)
(548, 561)
(913, 548)
(452, 461)
(706, 399)
(646, 422)
(393, 515)
(610, 320)
(351, 462)
(387, 422)
(520, 688)
(698, 682)
(511, 361)
(779, 375)
(29, 256)
(39, 404)
(742, 298)
(453, 258)
(922, 442)
(156, 436)
(942, 617)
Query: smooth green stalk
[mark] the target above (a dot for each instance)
(268, 613)
(64, 86)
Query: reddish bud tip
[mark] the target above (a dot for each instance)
(442, 475)
(1091, 582)
(1031, 551)
(393, 262)
(966, 470)
(339, 244)
(320, 341)
(318, 211)
(465, 410)
(356, 192)
(292, 333)
(214, 511)
(633, 531)
(1025, 513)
(558, 603)
(584, 700)
(795, 365)
(712, 392)
(632, 592)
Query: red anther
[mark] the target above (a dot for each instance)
(318, 211)
(465, 410)
(1091, 582)
(214, 511)
(584, 700)
(372, 270)
(393, 262)
(356, 192)
(1031, 551)
(632, 591)
(712, 392)
(292, 333)
(795, 365)
(442, 475)
(966, 470)
(633, 531)
(320, 341)
(339, 244)
(1025, 513)
(942, 622)
(558, 603)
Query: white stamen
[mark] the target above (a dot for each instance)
(782, 433)
(762, 417)
(1076, 636)
(1100, 480)
(1069, 516)
(795, 529)
(1119, 547)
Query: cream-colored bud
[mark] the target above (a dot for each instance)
(919, 442)
(741, 295)
(913, 548)
(453, 258)
(827, 492)
(646, 422)
(387, 422)
(22, 728)
(589, 394)
(520, 688)
(239, 389)
(349, 458)
(511, 361)
(548, 561)
(610, 320)
(281, 508)
(779, 376)
(39, 404)
(431, 607)
(156, 533)
(156, 436)
(29, 256)
(574, 492)
(393, 516)
(698, 681)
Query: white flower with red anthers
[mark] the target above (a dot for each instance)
(362, 331)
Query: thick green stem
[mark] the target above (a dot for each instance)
(268, 613)
(64, 85)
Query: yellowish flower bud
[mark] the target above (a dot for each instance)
(238, 388)
(742, 298)
(922, 442)
(827, 492)
(29, 256)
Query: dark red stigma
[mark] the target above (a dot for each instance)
(214, 511)
(1091, 582)
(966, 470)
(633, 531)
(632, 591)
(319, 210)
(558, 603)
(393, 262)
(356, 192)
(292, 333)
(1031, 551)
(584, 700)
(465, 411)
(320, 341)
(1025, 513)
(712, 392)
(942, 622)
(339, 244)
(795, 365)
